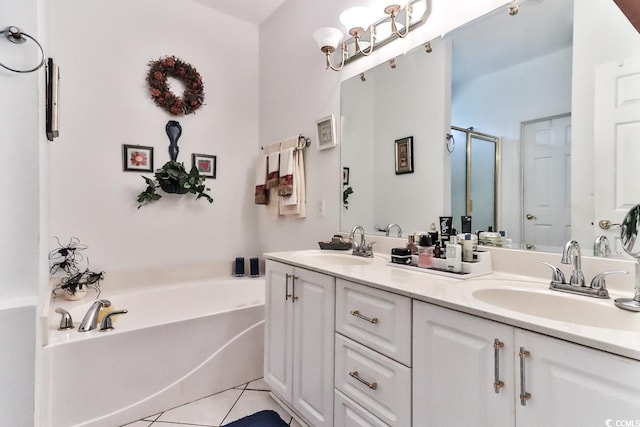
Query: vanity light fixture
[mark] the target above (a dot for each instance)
(363, 78)
(368, 29)
(427, 47)
(513, 8)
(393, 63)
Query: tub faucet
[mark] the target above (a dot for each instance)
(360, 249)
(90, 320)
(572, 253)
(389, 227)
(601, 247)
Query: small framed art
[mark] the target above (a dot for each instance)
(345, 176)
(404, 155)
(136, 158)
(326, 132)
(205, 164)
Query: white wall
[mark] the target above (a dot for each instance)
(601, 33)
(499, 102)
(103, 48)
(19, 216)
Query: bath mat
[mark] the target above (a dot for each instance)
(259, 419)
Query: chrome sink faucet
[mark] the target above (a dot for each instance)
(572, 253)
(90, 320)
(360, 249)
(601, 247)
(387, 230)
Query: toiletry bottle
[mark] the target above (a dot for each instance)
(467, 248)
(437, 252)
(454, 255)
(425, 252)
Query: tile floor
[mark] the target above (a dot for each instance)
(219, 409)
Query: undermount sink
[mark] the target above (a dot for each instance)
(334, 258)
(560, 307)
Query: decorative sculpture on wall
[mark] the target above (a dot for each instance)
(66, 258)
(157, 78)
(172, 177)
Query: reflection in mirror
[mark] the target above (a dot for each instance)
(500, 72)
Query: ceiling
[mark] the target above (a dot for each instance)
(252, 11)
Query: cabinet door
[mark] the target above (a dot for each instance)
(278, 348)
(572, 385)
(454, 365)
(313, 353)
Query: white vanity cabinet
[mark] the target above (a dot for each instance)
(456, 366)
(373, 356)
(456, 362)
(299, 337)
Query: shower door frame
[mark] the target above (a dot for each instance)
(470, 134)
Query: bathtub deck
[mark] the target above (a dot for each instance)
(219, 409)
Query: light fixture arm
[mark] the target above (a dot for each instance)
(328, 50)
(393, 11)
(357, 32)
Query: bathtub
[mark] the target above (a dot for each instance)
(178, 342)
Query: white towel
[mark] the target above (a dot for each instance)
(272, 170)
(295, 205)
(261, 194)
(286, 187)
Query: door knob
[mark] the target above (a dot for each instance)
(530, 217)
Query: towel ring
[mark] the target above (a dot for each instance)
(14, 35)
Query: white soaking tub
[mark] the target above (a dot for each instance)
(177, 343)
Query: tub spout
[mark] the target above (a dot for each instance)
(90, 320)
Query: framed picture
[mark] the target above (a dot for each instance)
(136, 158)
(404, 155)
(345, 176)
(205, 164)
(52, 97)
(326, 132)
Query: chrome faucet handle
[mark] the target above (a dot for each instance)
(65, 321)
(598, 282)
(557, 274)
(107, 323)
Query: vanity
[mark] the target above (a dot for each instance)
(355, 341)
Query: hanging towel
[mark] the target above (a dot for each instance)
(286, 172)
(261, 193)
(272, 171)
(295, 205)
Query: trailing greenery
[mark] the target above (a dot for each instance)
(172, 177)
(345, 196)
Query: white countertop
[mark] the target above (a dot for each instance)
(457, 295)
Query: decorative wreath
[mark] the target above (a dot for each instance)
(170, 66)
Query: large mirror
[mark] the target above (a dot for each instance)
(508, 77)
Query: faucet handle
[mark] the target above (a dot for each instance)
(107, 323)
(558, 275)
(598, 282)
(65, 321)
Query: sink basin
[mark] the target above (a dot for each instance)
(334, 258)
(562, 308)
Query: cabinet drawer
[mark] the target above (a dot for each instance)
(349, 414)
(380, 385)
(378, 319)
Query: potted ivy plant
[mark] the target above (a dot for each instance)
(172, 177)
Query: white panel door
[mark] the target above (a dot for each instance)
(278, 348)
(454, 369)
(313, 353)
(616, 144)
(572, 385)
(547, 172)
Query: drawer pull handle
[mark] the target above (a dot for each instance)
(497, 346)
(356, 313)
(287, 295)
(524, 396)
(372, 386)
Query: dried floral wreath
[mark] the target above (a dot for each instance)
(170, 66)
